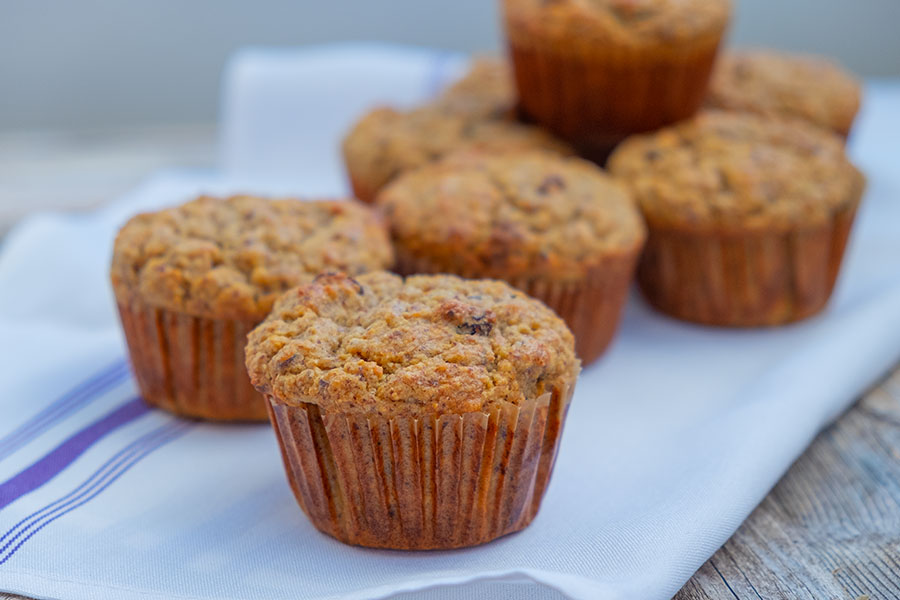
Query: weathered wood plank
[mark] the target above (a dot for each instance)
(831, 527)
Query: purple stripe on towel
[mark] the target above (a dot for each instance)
(97, 477)
(63, 455)
(101, 479)
(172, 433)
(72, 400)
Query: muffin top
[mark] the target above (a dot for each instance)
(771, 83)
(738, 171)
(526, 214)
(628, 22)
(230, 258)
(387, 142)
(486, 91)
(424, 345)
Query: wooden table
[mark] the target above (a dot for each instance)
(829, 530)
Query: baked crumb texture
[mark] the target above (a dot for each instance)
(231, 257)
(595, 71)
(192, 281)
(749, 216)
(786, 85)
(485, 92)
(388, 142)
(414, 414)
(557, 228)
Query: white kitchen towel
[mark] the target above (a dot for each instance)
(671, 439)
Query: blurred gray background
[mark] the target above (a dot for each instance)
(96, 95)
(89, 64)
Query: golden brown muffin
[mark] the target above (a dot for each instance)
(191, 281)
(485, 92)
(788, 85)
(387, 142)
(748, 216)
(595, 71)
(557, 228)
(414, 414)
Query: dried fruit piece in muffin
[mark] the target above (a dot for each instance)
(387, 142)
(786, 85)
(398, 404)
(191, 281)
(748, 216)
(558, 228)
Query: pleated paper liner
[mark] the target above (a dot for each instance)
(595, 95)
(592, 308)
(191, 366)
(434, 482)
(744, 279)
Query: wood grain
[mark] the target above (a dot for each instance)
(831, 528)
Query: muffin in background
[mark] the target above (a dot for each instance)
(486, 91)
(748, 216)
(786, 85)
(190, 283)
(388, 142)
(596, 71)
(414, 414)
(557, 228)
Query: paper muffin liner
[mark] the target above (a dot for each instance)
(191, 366)
(744, 279)
(362, 190)
(594, 95)
(434, 482)
(591, 307)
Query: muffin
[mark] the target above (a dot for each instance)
(414, 414)
(485, 92)
(790, 85)
(748, 216)
(595, 71)
(387, 142)
(190, 283)
(557, 228)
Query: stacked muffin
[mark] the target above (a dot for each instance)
(475, 114)
(413, 413)
(192, 281)
(557, 228)
(748, 216)
(424, 410)
(596, 71)
(471, 191)
(769, 83)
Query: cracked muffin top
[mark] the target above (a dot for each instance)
(230, 258)
(431, 344)
(387, 142)
(629, 22)
(528, 214)
(486, 91)
(779, 84)
(738, 170)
